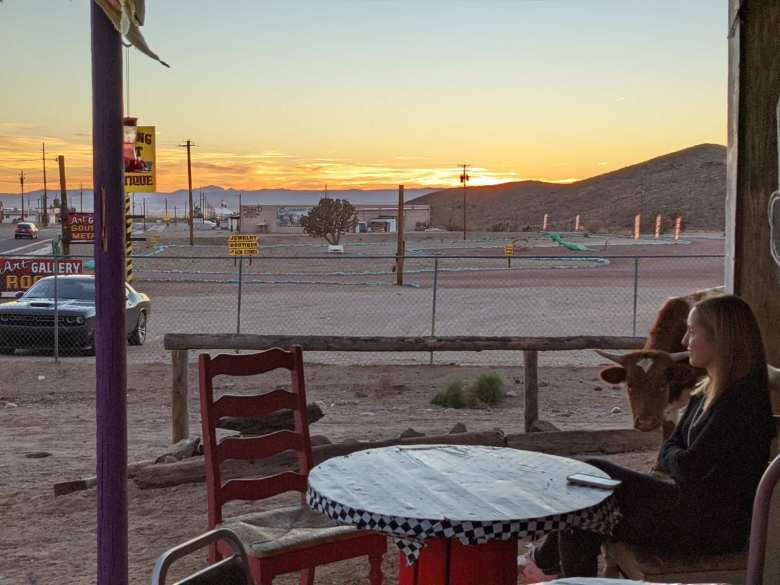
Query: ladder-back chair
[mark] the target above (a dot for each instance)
(281, 540)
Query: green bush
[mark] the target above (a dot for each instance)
(489, 389)
(451, 396)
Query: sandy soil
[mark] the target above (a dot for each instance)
(47, 410)
(47, 422)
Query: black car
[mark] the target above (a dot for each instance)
(28, 322)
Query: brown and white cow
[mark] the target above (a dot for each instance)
(658, 377)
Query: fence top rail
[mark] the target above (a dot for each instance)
(228, 341)
(380, 257)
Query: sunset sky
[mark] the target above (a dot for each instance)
(372, 93)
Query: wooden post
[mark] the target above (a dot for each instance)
(401, 243)
(64, 208)
(180, 417)
(531, 383)
(110, 330)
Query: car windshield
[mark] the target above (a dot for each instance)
(81, 289)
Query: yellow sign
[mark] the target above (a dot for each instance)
(143, 177)
(243, 245)
(509, 250)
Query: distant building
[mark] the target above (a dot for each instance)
(286, 219)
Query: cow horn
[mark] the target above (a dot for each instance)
(679, 356)
(618, 359)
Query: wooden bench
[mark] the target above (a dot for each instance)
(635, 562)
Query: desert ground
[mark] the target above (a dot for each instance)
(47, 409)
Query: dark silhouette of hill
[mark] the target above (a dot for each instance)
(691, 182)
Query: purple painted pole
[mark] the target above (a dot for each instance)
(110, 335)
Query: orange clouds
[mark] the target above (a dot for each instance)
(239, 170)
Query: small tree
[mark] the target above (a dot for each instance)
(329, 219)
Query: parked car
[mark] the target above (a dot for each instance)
(26, 229)
(28, 322)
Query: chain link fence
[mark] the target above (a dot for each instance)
(351, 295)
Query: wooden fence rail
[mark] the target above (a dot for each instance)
(181, 343)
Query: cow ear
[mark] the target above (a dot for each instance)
(681, 374)
(613, 375)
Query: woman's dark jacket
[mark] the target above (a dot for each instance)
(717, 456)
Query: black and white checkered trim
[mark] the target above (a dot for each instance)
(410, 533)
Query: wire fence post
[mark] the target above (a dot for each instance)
(240, 280)
(636, 288)
(435, 290)
(56, 308)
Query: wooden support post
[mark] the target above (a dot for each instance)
(110, 331)
(531, 383)
(180, 417)
(401, 245)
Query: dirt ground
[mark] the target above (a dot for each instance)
(47, 424)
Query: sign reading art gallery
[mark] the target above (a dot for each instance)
(19, 274)
(141, 169)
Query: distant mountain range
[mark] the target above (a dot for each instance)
(220, 197)
(690, 182)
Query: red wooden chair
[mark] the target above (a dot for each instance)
(282, 540)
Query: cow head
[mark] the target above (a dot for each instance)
(651, 378)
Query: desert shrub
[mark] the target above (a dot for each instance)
(452, 395)
(595, 226)
(488, 389)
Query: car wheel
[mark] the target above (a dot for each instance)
(138, 336)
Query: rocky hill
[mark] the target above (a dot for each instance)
(691, 182)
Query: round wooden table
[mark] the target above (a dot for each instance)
(456, 512)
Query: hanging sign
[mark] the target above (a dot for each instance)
(144, 179)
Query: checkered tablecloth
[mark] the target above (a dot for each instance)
(411, 531)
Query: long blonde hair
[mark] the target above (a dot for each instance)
(734, 331)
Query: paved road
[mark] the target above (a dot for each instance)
(9, 245)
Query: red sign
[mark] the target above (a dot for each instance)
(19, 274)
(82, 226)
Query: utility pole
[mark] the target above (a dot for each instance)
(464, 177)
(45, 216)
(64, 208)
(21, 182)
(81, 197)
(400, 242)
(188, 145)
(240, 207)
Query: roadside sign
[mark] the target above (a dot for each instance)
(81, 226)
(509, 250)
(244, 245)
(19, 274)
(142, 178)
